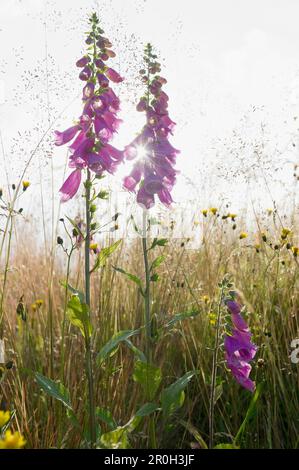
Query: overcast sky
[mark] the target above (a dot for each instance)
(233, 80)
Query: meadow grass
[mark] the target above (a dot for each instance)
(264, 270)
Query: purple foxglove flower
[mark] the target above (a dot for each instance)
(99, 162)
(241, 375)
(85, 74)
(100, 105)
(131, 181)
(104, 56)
(85, 147)
(130, 152)
(142, 105)
(153, 184)
(77, 162)
(102, 130)
(70, 186)
(145, 199)
(112, 100)
(103, 80)
(110, 53)
(83, 61)
(111, 121)
(85, 122)
(62, 138)
(237, 319)
(88, 91)
(78, 141)
(159, 156)
(163, 147)
(114, 152)
(100, 64)
(103, 43)
(113, 75)
(239, 348)
(165, 197)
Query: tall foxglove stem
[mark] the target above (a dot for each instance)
(147, 320)
(214, 371)
(88, 342)
(147, 299)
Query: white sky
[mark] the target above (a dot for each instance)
(233, 80)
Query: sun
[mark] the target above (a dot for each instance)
(141, 153)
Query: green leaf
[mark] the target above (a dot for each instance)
(138, 353)
(172, 397)
(226, 446)
(147, 409)
(78, 315)
(195, 433)
(104, 255)
(118, 439)
(103, 194)
(132, 277)
(250, 412)
(73, 418)
(106, 416)
(149, 376)
(155, 277)
(181, 316)
(158, 242)
(73, 291)
(113, 344)
(55, 390)
(157, 262)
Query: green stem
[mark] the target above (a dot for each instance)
(64, 315)
(88, 348)
(147, 300)
(5, 276)
(147, 318)
(214, 373)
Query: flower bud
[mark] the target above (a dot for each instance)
(59, 241)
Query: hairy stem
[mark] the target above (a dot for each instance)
(147, 300)
(214, 373)
(88, 348)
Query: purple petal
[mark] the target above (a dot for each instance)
(70, 186)
(62, 138)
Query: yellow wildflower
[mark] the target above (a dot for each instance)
(196, 222)
(243, 235)
(26, 185)
(39, 302)
(212, 318)
(232, 216)
(4, 418)
(93, 246)
(295, 250)
(34, 307)
(205, 299)
(12, 440)
(213, 210)
(285, 232)
(204, 212)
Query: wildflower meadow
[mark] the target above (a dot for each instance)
(149, 291)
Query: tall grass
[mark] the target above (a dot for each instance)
(266, 275)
